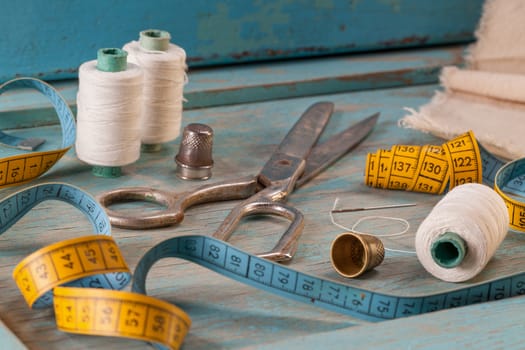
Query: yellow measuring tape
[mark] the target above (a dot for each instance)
(426, 168)
(113, 312)
(54, 274)
(117, 313)
(26, 167)
(67, 261)
(83, 277)
(434, 169)
(510, 184)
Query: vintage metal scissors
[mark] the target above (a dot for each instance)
(296, 160)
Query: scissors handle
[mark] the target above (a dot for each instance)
(285, 248)
(175, 204)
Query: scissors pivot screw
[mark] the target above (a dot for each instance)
(296, 160)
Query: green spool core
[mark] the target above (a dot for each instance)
(112, 60)
(154, 39)
(106, 171)
(448, 250)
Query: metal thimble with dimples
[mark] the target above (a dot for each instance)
(194, 160)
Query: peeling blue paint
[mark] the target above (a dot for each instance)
(51, 39)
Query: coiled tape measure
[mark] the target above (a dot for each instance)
(83, 277)
(134, 315)
(434, 169)
(23, 168)
(426, 168)
(72, 268)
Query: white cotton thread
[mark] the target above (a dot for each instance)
(374, 217)
(164, 80)
(108, 117)
(476, 214)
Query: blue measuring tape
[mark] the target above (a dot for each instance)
(236, 264)
(232, 262)
(95, 303)
(28, 166)
(14, 207)
(508, 180)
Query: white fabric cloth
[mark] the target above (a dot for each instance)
(488, 95)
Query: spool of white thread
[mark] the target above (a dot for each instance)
(462, 232)
(109, 109)
(164, 66)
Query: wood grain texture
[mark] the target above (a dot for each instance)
(484, 325)
(51, 40)
(263, 82)
(9, 339)
(230, 315)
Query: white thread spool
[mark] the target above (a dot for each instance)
(109, 109)
(164, 66)
(462, 232)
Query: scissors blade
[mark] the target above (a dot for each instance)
(289, 157)
(307, 130)
(324, 155)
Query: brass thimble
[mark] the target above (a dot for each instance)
(352, 254)
(194, 160)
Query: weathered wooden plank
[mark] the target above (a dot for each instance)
(51, 40)
(286, 79)
(263, 82)
(494, 325)
(9, 339)
(230, 315)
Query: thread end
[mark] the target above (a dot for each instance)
(106, 171)
(448, 250)
(112, 60)
(154, 39)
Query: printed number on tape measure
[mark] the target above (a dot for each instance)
(232, 262)
(93, 261)
(89, 311)
(118, 313)
(432, 169)
(53, 275)
(426, 168)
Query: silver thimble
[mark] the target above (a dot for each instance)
(194, 160)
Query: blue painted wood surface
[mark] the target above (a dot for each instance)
(263, 81)
(486, 326)
(229, 315)
(9, 339)
(50, 39)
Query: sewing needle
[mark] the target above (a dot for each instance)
(374, 207)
